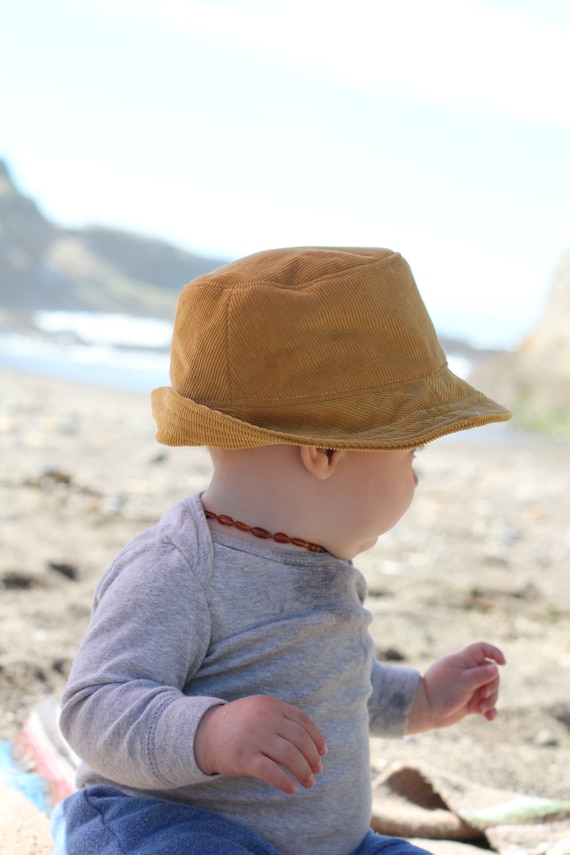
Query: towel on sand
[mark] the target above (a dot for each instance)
(428, 804)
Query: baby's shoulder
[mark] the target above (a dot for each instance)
(177, 547)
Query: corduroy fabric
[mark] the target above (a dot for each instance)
(311, 346)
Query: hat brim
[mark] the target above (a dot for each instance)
(398, 416)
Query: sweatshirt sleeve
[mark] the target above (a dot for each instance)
(393, 692)
(124, 710)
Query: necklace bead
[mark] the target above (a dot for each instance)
(257, 531)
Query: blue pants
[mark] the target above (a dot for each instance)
(100, 820)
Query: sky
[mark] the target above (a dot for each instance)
(440, 129)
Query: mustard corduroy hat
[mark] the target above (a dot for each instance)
(330, 347)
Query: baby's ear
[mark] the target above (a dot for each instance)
(320, 462)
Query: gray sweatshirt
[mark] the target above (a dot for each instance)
(184, 620)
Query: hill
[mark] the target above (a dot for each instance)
(95, 269)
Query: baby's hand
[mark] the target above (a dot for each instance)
(457, 685)
(256, 736)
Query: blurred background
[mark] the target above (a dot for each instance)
(143, 143)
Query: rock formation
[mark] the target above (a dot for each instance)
(534, 379)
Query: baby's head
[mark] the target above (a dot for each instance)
(312, 346)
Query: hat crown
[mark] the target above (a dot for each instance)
(301, 324)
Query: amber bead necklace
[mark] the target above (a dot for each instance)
(257, 531)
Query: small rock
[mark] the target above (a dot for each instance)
(53, 477)
(546, 739)
(561, 712)
(15, 579)
(390, 654)
(67, 570)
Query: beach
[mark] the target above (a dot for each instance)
(483, 554)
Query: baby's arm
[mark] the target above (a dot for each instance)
(456, 686)
(257, 736)
(124, 710)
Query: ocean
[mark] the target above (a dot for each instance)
(117, 351)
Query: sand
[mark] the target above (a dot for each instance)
(482, 554)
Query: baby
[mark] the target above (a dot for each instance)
(224, 694)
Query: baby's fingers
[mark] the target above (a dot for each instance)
(270, 772)
(481, 651)
(480, 677)
(292, 751)
(305, 734)
(302, 732)
(487, 699)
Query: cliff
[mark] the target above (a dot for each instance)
(534, 379)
